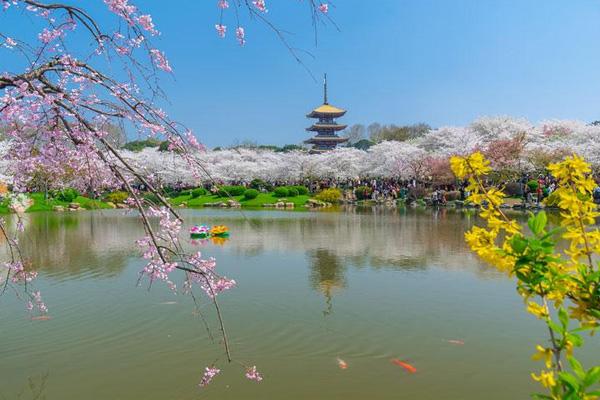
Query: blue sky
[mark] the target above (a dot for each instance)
(393, 61)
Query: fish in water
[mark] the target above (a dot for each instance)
(41, 318)
(168, 302)
(342, 364)
(456, 341)
(407, 367)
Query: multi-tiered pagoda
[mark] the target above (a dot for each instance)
(326, 127)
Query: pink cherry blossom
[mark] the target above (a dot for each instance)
(48, 35)
(240, 34)
(209, 374)
(9, 43)
(221, 29)
(253, 374)
(260, 4)
(146, 22)
(223, 4)
(324, 8)
(160, 60)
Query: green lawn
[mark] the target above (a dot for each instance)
(263, 198)
(39, 204)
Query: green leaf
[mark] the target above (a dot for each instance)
(592, 376)
(569, 380)
(554, 326)
(541, 396)
(538, 223)
(576, 365)
(575, 339)
(519, 244)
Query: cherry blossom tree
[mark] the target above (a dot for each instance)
(57, 111)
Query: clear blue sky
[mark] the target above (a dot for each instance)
(393, 61)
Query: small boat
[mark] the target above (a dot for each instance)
(199, 232)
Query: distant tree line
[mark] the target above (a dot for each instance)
(362, 137)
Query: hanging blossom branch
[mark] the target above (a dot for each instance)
(57, 115)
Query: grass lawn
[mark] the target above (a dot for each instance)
(263, 198)
(39, 204)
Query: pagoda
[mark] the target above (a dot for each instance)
(326, 127)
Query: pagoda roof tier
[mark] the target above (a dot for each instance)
(326, 110)
(325, 139)
(326, 127)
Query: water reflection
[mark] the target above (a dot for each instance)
(100, 243)
(327, 275)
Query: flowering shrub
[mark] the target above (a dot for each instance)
(19, 203)
(559, 287)
(117, 197)
(332, 195)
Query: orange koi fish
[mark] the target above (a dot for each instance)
(41, 318)
(342, 364)
(456, 341)
(407, 367)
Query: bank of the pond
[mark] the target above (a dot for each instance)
(263, 200)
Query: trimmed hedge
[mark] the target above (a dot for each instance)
(197, 192)
(302, 190)
(231, 190)
(292, 192)
(281, 192)
(533, 185)
(251, 194)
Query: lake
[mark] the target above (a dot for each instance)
(363, 285)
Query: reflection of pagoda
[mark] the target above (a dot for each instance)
(327, 275)
(326, 127)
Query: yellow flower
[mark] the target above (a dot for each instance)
(546, 378)
(539, 311)
(543, 354)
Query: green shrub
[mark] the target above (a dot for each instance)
(197, 192)
(67, 195)
(251, 194)
(226, 191)
(117, 197)
(292, 192)
(533, 185)
(259, 184)
(281, 192)
(363, 192)
(302, 190)
(329, 195)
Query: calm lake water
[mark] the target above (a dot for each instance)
(362, 285)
